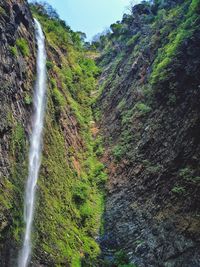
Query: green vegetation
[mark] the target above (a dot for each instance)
(23, 47)
(120, 259)
(58, 98)
(178, 190)
(142, 108)
(132, 41)
(28, 99)
(18, 137)
(2, 11)
(14, 188)
(123, 148)
(67, 223)
(49, 65)
(71, 185)
(118, 152)
(151, 168)
(14, 51)
(163, 64)
(188, 175)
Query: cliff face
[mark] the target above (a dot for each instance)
(149, 114)
(69, 202)
(17, 68)
(69, 198)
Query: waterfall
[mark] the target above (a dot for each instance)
(35, 145)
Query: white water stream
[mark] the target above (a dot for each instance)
(35, 146)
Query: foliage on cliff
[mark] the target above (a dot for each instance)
(149, 97)
(70, 187)
(158, 36)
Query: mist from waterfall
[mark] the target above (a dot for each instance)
(35, 146)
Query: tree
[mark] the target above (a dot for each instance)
(46, 9)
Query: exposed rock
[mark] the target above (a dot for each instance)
(152, 209)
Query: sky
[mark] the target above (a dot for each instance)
(90, 16)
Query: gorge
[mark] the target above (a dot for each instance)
(119, 178)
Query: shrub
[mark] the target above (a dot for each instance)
(101, 179)
(127, 117)
(118, 152)
(80, 193)
(121, 104)
(14, 51)
(178, 190)
(172, 99)
(49, 65)
(2, 11)
(22, 44)
(28, 99)
(142, 108)
(86, 210)
(188, 175)
(122, 260)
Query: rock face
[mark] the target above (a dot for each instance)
(16, 83)
(150, 112)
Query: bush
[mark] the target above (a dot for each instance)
(28, 99)
(22, 44)
(118, 152)
(122, 260)
(142, 108)
(86, 211)
(2, 11)
(178, 190)
(80, 193)
(172, 99)
(13, 51)
(49, 65)
(188, 175)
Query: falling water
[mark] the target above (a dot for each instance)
(35, 146)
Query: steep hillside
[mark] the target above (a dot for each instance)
(69, 195)
(149, 113)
